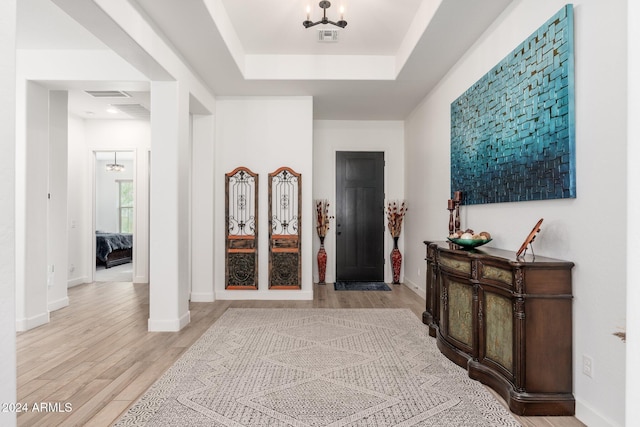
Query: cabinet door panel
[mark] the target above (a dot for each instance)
(460, 312)
(498, 322)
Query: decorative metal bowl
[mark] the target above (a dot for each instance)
(469, 243)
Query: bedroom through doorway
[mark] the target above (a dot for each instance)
(114, 213)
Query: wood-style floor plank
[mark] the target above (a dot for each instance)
(97, 355)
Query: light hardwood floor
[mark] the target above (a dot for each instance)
(97, 355)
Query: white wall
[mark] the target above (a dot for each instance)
(263, 134)
(79, 220)
(202, 212)
(599, 282)
(633, 213)
(32, 176)
(331, 136)
(57, 255)
(7, 215)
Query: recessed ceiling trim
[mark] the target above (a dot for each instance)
(320, 67)
(420, 22)
(225, 27)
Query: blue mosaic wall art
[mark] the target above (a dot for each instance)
(513, 131)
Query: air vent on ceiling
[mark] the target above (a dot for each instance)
(108, 94)
(136, 111)
(327, 36)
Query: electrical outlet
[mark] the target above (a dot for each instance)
(419, 272)
(51, 271)
(587, 366)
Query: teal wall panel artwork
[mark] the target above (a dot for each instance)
(513, 131)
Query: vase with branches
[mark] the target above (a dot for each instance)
(395, 214)
(322, 226)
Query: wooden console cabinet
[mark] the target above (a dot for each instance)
(508, 321)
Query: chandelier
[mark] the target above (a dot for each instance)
(115, 167)
(325, 5)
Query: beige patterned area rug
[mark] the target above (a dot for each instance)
(316, 367)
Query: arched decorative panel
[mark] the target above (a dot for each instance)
(241, 221)
(285, 193)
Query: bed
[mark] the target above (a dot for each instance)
(113, 248)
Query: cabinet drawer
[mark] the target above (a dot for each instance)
(457, 265)
(498, 274)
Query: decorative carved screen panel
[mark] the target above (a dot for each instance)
(241, 243)
(285, 193)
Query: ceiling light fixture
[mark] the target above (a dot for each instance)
(325, 5)
(115, 167)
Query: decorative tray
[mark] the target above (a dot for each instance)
(469, 243)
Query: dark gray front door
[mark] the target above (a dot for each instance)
(359, 216)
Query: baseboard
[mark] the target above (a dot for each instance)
(140, 279)
(418, 289)
(591, 418)
(169, 325)
(269, 295)
(77, 281)
(57, 305)
(202, 297)
(32, 322)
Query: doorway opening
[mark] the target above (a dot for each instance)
(114, 213)
(360, 216)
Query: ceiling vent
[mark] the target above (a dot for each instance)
(136, 111)
(108, 94)
(327, 36)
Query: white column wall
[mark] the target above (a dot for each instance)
(331, 136)
(78, 207)
(202, 232)
(263, 134)
(168, 299)
(599, 275)
(7, 215)
(58, 241)
(633, 213)
(32, 162)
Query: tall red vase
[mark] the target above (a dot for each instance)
(322, 262)
(396, 261)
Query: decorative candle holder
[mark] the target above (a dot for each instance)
(451, 208)
(457, 199)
